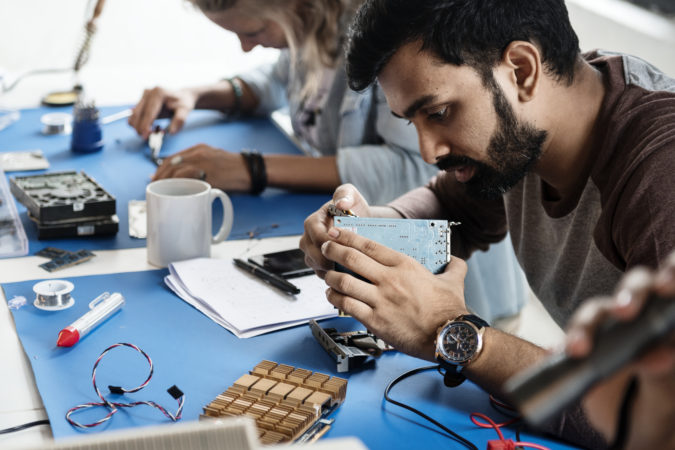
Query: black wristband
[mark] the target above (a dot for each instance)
(256, 168)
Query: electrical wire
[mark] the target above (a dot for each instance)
(112, 406)
(496, 426)
(410, 373)
(24, 426)
(6, 88)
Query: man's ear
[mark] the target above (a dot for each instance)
(524, 59)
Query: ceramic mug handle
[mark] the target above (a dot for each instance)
(228, 216)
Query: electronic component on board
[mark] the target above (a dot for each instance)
(427, 241)
(337, 212)
(349, 349)
(67, 259)
(288, 404)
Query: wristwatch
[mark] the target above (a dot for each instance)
(458, 342)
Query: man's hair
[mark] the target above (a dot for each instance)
(460, 32)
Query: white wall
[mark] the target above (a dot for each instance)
(139, 43)
(142, 43)
(621, 26)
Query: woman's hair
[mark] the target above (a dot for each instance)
(315, 29)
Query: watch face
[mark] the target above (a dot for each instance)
(458, 342)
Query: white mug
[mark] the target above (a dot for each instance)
(179, 219)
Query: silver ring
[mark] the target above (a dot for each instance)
(176, 160)
(202, 175)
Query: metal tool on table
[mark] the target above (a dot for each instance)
(155, 141)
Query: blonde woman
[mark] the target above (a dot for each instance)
(354, 136)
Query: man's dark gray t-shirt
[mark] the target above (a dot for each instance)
(623, 217)
(579, 248)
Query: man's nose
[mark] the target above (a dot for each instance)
(431, 146)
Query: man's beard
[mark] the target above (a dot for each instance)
(513, 149)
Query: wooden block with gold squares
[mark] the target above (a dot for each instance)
(286, 402)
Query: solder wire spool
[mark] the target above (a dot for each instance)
(56, 123)
(53, 295)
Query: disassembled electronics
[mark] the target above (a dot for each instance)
(66, 259)
(65, 204)
(427, 241)
(337, 212)
(288, 404)
(87, 135)
(25, 160)
(53, 295)
(349, 349)
(88, 227)
(13, 240)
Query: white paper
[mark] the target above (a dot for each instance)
(243, 303)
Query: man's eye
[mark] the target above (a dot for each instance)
(439, 115)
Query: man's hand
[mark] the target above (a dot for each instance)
(318, 223)
(223, 170)
(157, 103)
(653, 412)
(405, 304)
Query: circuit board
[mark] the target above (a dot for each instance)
(427, 241)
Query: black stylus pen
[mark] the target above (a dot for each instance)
(268, 277)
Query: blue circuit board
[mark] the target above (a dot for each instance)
(427, 241)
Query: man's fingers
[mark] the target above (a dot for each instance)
(664, 282)
(347, 197)
(344, 196)
(355, 308)
(633, 291)
(583, 324)
(351, 286)
(355, 260)
(455, 270)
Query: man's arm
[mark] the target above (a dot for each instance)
(405, 305)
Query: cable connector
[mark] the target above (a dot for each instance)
(175, 392)
(116, 390)
(501, 444)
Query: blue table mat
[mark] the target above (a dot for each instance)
(203, 359)
(124, 169)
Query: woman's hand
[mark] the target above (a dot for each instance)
(223, 170)
(159, 102)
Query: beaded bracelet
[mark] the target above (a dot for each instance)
(256, 168)
(235, 83)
